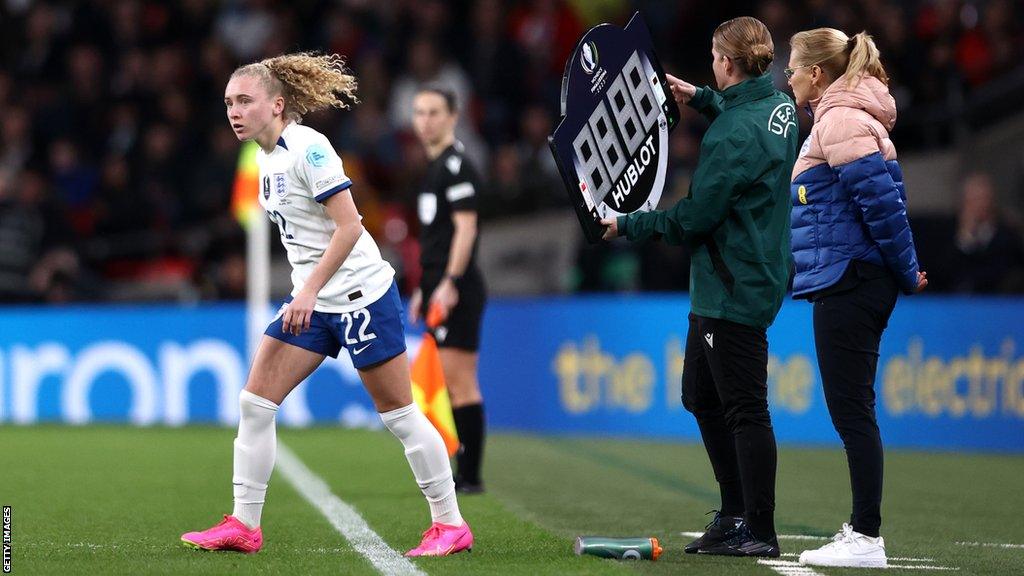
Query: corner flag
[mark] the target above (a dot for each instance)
(247, 184)
(428, 387)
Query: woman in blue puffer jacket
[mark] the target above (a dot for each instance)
(854, 252)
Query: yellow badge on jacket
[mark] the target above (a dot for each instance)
(801, 193)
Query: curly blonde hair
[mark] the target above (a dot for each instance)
(307, 81)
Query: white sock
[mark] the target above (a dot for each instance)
(255, 451)
(428, 459)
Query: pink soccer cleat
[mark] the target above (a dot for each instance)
(230, 534)
(443, 540)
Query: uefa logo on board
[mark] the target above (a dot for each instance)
(588, 57)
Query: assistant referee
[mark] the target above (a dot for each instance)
(447, 208)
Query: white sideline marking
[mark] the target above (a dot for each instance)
(795, 568)
(779, 536)
(893, 558)
(991, 545)
(788, 568)
(343, 517)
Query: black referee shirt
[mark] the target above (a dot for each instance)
(451, 185)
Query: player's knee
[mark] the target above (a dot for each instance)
(407, 423)
(264, 384)
(387, 404)
(257, 386)
(251, 404)
(391, 397)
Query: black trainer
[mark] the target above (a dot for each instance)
(718, 530)
(743, 543)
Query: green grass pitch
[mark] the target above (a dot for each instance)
(114, 500)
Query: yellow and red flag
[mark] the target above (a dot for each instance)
(428, 387)
(244, 200)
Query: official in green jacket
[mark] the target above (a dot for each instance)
(735, 222)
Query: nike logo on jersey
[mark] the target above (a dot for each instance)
(710, 338)
(357, 351)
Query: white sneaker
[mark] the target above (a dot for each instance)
(848, 549)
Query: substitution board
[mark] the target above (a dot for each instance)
(611, 145)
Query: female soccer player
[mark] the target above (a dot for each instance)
(344, 295)
(736, 223)
(451, 280)
(854, 253)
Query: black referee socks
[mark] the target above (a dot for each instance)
(469, 424)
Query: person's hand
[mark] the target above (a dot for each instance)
(611, 228)
(682, 90)
(445, 296)
(415, 303)
(298, 314)
(435, 316)
(922, 281)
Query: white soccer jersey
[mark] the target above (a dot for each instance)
(301, 172)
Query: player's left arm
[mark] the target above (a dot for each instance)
(322, 173)
(342, 210)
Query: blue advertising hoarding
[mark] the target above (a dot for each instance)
(951, 375)
(151, 365)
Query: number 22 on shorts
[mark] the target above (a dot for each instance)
(349, 320)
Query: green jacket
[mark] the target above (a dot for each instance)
(735, 219)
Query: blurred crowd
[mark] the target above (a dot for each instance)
(116, 161)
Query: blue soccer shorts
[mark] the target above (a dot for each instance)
(371, 335)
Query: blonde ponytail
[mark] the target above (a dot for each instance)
(865, 59)
(308, 82)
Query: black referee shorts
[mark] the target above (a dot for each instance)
(462, 327)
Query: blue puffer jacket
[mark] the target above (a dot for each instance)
(848, 196)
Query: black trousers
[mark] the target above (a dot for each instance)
(725, 386)
(848, 327)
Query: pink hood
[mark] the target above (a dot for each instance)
(870, 95)
(849, 123)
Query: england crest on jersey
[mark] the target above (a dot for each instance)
(280, 185)
(611, 145)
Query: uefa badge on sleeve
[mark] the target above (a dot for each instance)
(611, 145)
